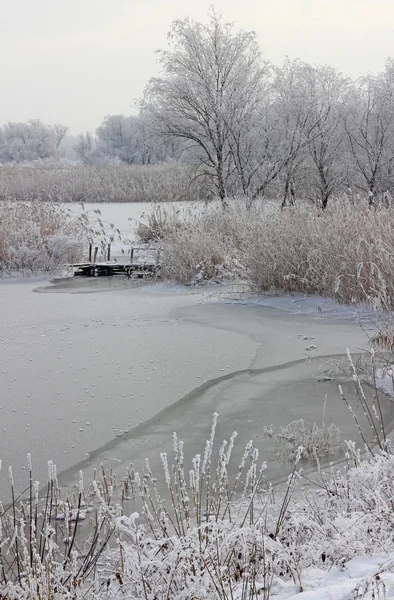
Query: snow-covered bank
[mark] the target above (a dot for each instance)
(335, 542)
(367, 577)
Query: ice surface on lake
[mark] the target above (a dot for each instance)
(89, 375)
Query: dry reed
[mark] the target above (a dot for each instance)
(343, 252)
(108, 183)
(38, 237)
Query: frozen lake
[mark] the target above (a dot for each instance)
(108, 369)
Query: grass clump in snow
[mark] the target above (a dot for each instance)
(315, 440)
(41, 555)
(157, 223)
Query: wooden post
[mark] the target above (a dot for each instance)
(131, 255)
(90, 252)
(109, 252)
(95, 254)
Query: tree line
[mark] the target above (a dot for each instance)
(247, 126)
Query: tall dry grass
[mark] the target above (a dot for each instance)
(108, 183)
(158, 223)
(344, 252)
(38, 236)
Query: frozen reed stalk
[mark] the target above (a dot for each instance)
(164, 461)
(196, 461)
(80, 483)
(231, 446)
(209, 445)
(35, 491)
(55, 481)
(50, 471)
(373, 414)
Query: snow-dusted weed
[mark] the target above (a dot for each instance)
(42, 556)
(196, 533)
(207, 541)
(315, 440)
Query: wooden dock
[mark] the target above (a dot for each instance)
(109, 268)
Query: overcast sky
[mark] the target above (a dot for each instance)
(75, 61)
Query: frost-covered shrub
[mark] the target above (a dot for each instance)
(205, 245)
(315, 440)
(352, 515)
(39, 236)
(188, 258)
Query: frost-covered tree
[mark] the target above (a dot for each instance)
(370, 130)
(250, 127)
(29, 141)
(86, 148)
(132, 140)
(207, 95)
(59, 131)
(326, 90)
(67, 148)
(279, 132)
(291, 115)
(154, 148)
(118, 137)
(129, 140)
(302, 144)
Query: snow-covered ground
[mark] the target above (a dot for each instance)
(367, 577)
